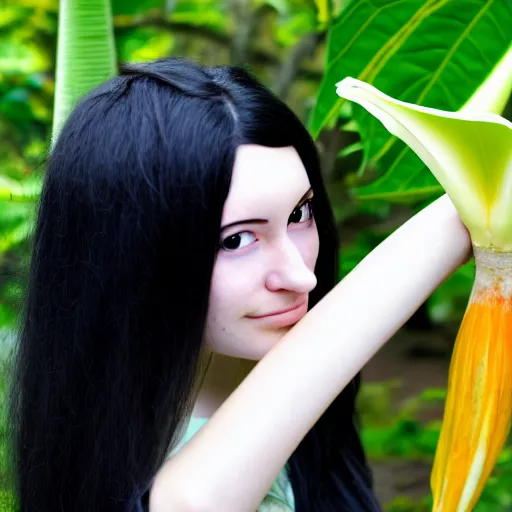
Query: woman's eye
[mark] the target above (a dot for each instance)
(302, 213)
(237, 241)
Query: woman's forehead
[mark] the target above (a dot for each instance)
(264, 178)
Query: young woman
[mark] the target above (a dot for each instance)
(183, 275)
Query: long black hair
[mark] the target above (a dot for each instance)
(111, 329)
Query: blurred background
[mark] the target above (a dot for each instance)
(436, 53)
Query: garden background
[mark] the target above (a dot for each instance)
(438, 53)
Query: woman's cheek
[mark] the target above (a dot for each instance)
(233, 282)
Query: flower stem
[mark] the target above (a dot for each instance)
(479, 401)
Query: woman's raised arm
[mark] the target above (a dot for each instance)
(233, 461)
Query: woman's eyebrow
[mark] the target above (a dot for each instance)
(262, 221)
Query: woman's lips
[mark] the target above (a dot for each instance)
(283, 319)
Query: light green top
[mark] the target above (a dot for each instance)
(278, 499)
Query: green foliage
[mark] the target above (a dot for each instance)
(7, 502)
(20, 51)
(143, 44)
(296, 18)
(389, 433)
(201, 13)
(434, 53)
(400, 435)
(134, 7)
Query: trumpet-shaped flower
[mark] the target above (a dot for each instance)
(470, 154)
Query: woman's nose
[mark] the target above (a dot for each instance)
(288, 270)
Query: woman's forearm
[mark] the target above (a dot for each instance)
(232, 462)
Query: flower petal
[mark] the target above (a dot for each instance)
(469, 153)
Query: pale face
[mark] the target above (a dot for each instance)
(264, 266)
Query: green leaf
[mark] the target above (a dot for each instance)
(406, 177)
(434, 53)
(85, 53)
(351, 148)
(391, 43)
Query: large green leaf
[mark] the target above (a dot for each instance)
(434, 53)
(407, 179)
(85, 53)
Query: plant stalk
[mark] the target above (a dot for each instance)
(86, 54)
(479, 401)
